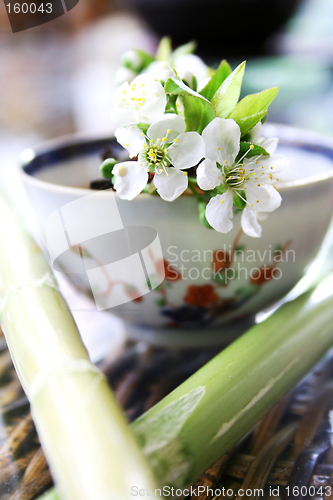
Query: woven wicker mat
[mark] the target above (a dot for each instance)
(288, 449)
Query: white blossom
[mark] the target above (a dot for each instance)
(161, 70)
(188, 66)
(250, 179)
(141, 101)
(166, 150)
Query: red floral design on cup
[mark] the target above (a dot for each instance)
(201, 295)
(171, 274)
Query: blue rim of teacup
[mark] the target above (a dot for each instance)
(50, 153)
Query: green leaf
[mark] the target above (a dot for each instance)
(218, 77)
(253, 108)
(227, 95)
(164, 49)
(248, 122)
(146, 59)
(254, 103)
(198, 113)
(182, 50)
(176, 86)
(245, 147)
(160, 302)
(238, 202)
(198, 110)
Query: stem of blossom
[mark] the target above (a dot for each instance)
(171, 103)
(199, 196)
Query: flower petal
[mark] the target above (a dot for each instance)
(124, 75)
(122, 114)
(123, 117)
(278, 162)
(171, 185)
(203, 83)
(266, 168)
(187, 150)
(250, 224)
(118, 94)
(222, 139)
(263, 198)
(130, 138)
(152, 109)
(169, 121)
(219, 212)
(154, 95)
(131, 178)
(208, 175)
(270, 145)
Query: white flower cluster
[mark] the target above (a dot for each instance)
(161, 149)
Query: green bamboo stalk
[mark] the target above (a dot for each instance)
(205, 416)
(88, 444)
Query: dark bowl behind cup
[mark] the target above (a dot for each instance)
(229, 28)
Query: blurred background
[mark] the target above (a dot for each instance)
(58, 78)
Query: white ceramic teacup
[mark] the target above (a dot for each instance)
(210, 279)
